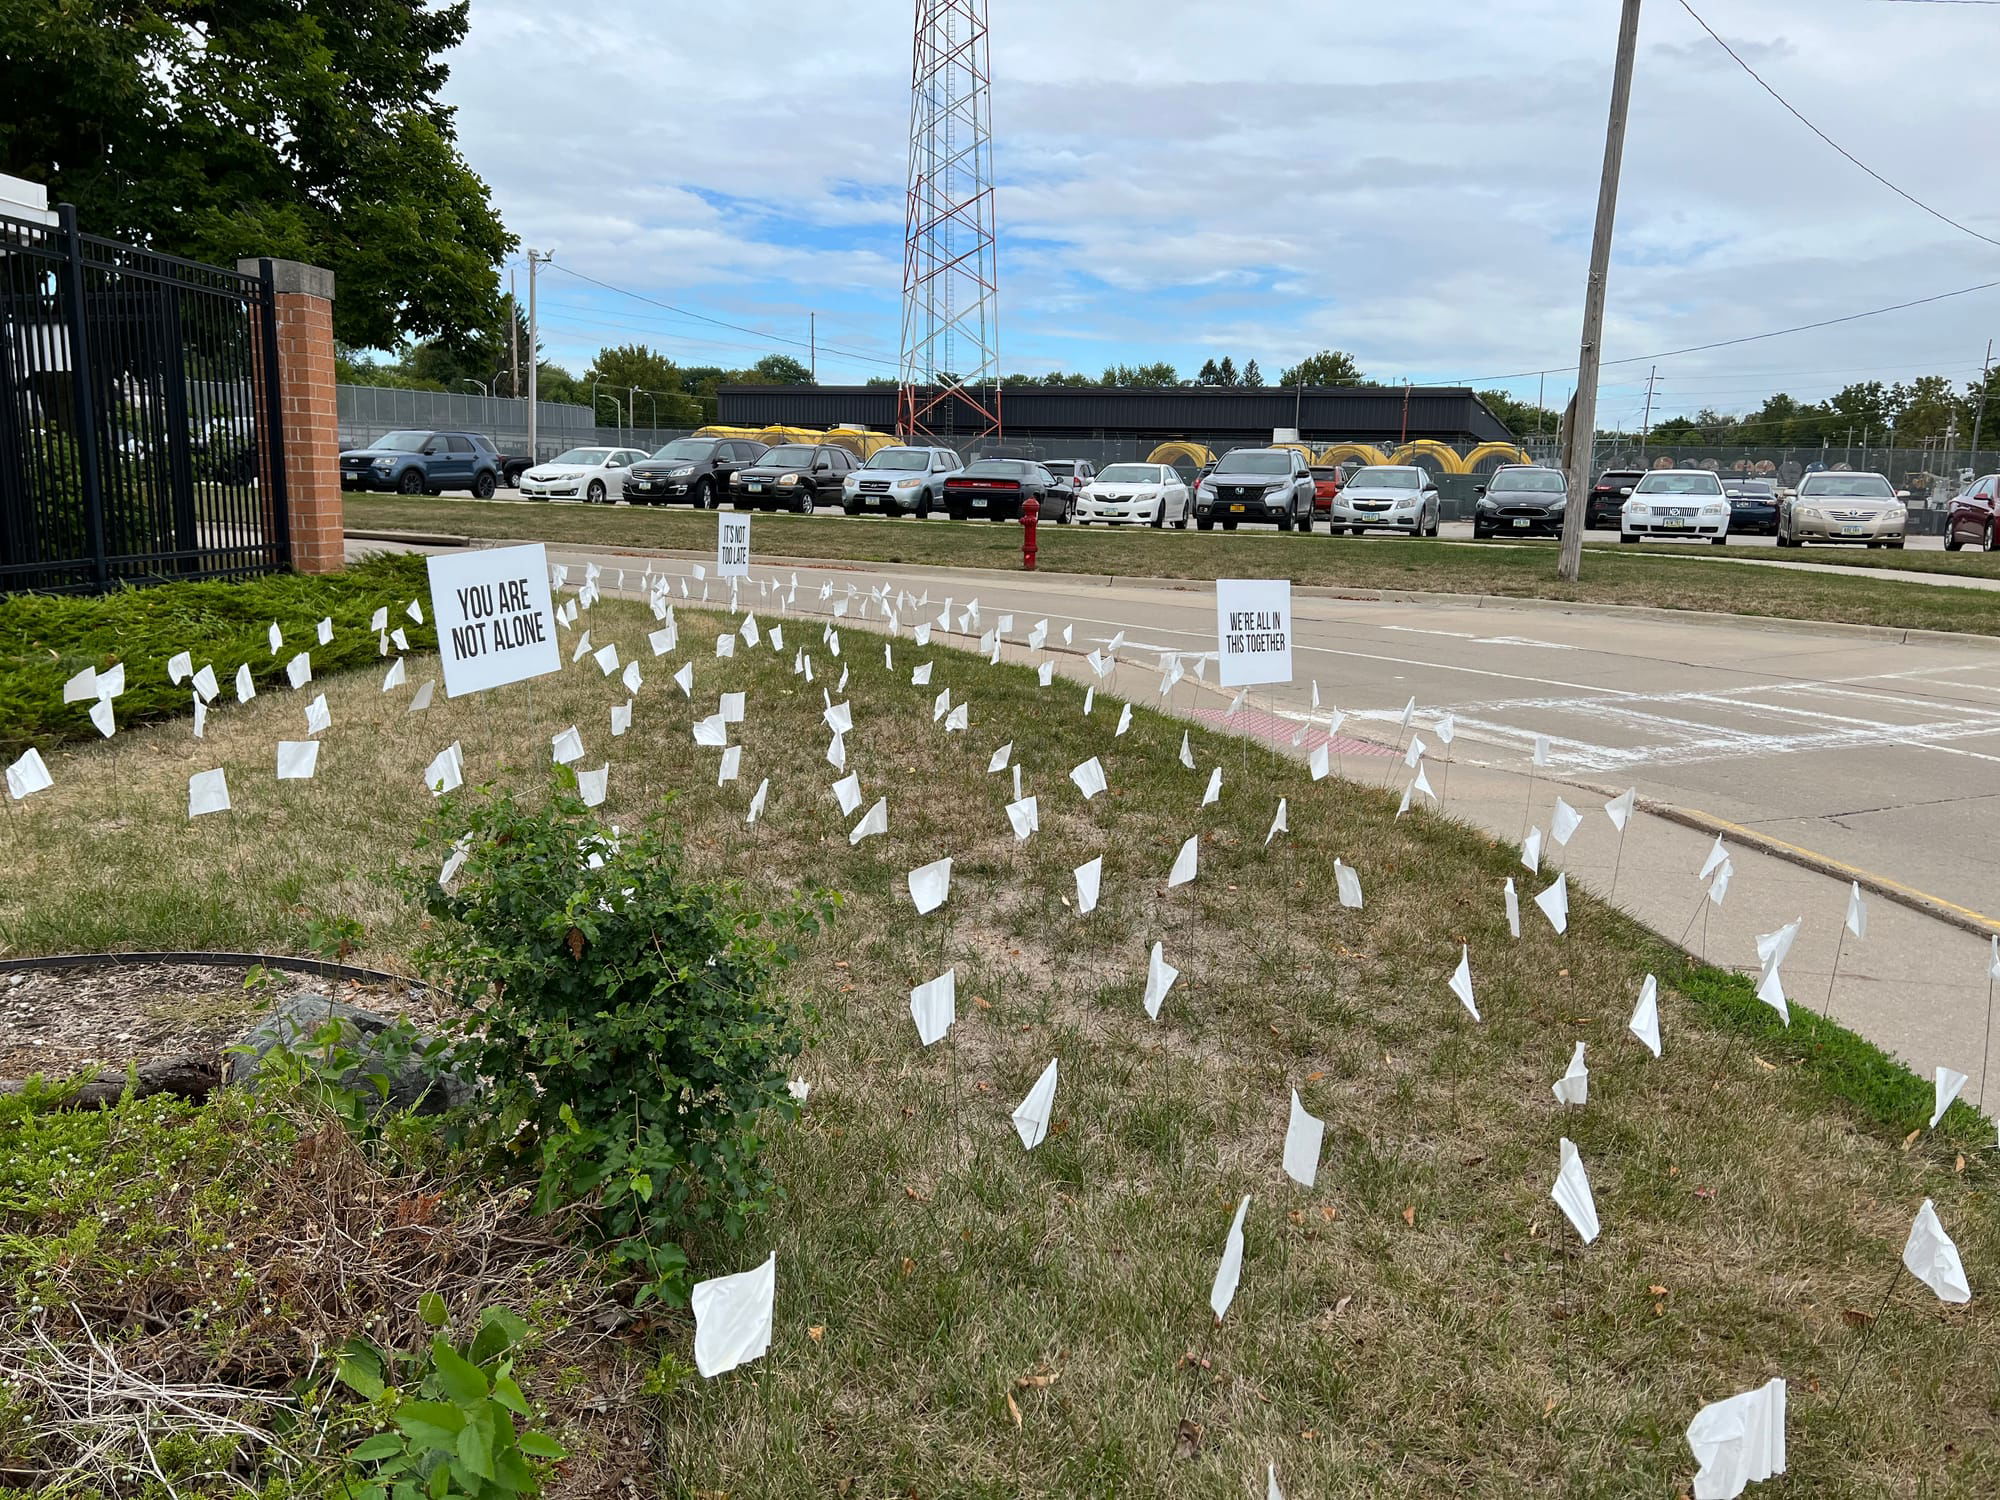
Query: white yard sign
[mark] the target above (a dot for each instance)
(1253, 630)
(495, 620)
(732, 545)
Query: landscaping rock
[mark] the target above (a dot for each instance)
(301, 1016)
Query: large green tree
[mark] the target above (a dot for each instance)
(302, 129)
(1328, 367)
(658, 380)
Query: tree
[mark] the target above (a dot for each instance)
(1523, 418)
(309, 131)
(1209, 374)
(1252, 376)
(1926, 407)
(776, 369)
(1328, 367)
(1225, 372)
(660, 400)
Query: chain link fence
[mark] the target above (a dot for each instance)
(366, 412)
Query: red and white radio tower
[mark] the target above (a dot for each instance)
(950, 367)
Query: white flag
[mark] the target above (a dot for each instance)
(28, 775)
(732, 762)
(1619, 809)
(1016, 768)
(111, 682)
(566, 747)
(208, 792)
(711, 731)
(1089, 778)
(748, 630)
(1738, 1442)
(200, 716)
(1271, 1490)
(757, 800)
(591, 785)
(415, 611)
(1187, 756)
(1025, 815)
(934, 1006)
(1719, 887)
(299, 670)
(929, 885)
(1230, 1272)
(1416, 750)
(941, 705)
(1857, 911)
(396, 676)
(1572, 1194)
(402, 642)
(731, 708)
(1554, 903)
(684, 679)
(1316, 762)
(326, 632)
(1089, 876)
(179, 665)
(663, 640)
(621, 718)
(630, 676)
(81, 688)
(380, 619)
(847, 792)
(1031, 1115)
(318, 717)
(1513, 900)
(1771, 990)
(1184, 863)
(1302, 1142)
(1278, 824)
(836, 752)
(1046, 673)
(1716, 855)
(206, 685)
(874, 821)
(1124, 721)
(1564, 821)
(1461, 980)
(732, 1318)
(246, 685)
(1160, 977)
(839, 717)
(1541, 751)
(1773, 947)
(276, 638)
(1574, 1086)
(421, 699)
(1946, 1086)
(1214, 787)
(1089, 697)
(104, 718)
(1933, 1258)
(959, 719)
(1348, 884)
(1645, 1022)
(1531, 851)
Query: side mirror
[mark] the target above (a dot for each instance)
(1624, 492)
(432, 448)
(1479, 489)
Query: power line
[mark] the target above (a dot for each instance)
(1786, 104)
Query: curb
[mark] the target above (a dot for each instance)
(422, 538)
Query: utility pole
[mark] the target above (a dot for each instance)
(1576, 461)
(812, 344)
(513, 339)
(535, 258)
(1646, 421)
(1406, 412)
(1979, 414)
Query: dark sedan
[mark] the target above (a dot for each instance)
(1604, 507)
(797, 476)
(1753, 505)
(1970, 521)
(1520, 500)
(995, 488)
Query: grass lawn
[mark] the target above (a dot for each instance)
(1617, 575)
(956, 1316)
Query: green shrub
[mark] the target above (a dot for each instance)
(45, 639)
(625, 1021)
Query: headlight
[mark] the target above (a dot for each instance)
(788, 479)
(681, 473)
(1812, 513)
(1719, 508)
(384, 464)
(1274, 489)
(1897, 514)
(908, 484)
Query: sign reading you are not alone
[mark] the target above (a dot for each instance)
(1253, 630)
(495, 620)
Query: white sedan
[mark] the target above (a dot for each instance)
(596, 475)
(1141, 494)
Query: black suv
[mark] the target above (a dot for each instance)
(797, 476)
(423, 463)
(1604, 507)
(694, 469)
(1256, 484)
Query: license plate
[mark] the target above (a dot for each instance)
(755, 489)
(1675, 521)
(1236, 509)
(1854, 531)
(978, 499)
(1520, 520)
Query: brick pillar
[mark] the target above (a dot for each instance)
(310, 423)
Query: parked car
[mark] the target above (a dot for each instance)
(1397, 497)
(1605, 505)
(1753, 505)
(1970, 521)
(1520, 500)
(1843, 507)
(512, 467)
(1138, 494)
(795, 475)
(419, 462)
(995, 488)
(594, 475)
(1073, 474)
(1326, 485)
(900, 481)
(694, 469)
(1256, 484)
(1675, 503)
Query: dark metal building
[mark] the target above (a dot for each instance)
(1210, 414)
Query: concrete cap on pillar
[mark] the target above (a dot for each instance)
(292, 276)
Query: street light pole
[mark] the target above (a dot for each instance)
(535, 258)
(1582, 431)
(1979, 415)
(468, 380)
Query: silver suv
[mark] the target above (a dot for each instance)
(900, 481)
(1256, 484)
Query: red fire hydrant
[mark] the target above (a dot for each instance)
(1031, 512)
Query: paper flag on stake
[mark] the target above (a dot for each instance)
(757, 800)
(1461, 980)
(1409, 709)
(1619, 809)
(1774, 947)
(1316, 762)
(1513, 900)
(276, 637)
(1214, 787)
(246, 685)
(1160, 977)
(630, 676)
(1422, 783)
(1089, 876)
(1187, 755)
(662, 641)
(941, 705)
(326, 632)
(297, 759)
(1554, 903)
(1069, 635)
(836, 753)
(415, 611)
(684, 679)
(591, 785)
(402, 642)
(82, 688)
(102, 717)
(421, 699)
(179, 665)
(731, 708)
(1230, 1272)
(934, 1006)
(28, 775)
(1719, 887)
(1574, 1086)
(1302, 1142)
(1531, 851)
(318, 717)
(566, 747)
(1184, 863)
(1716, 855)
(748, 630)
(1031, 1115)
(1932, 1258)
(299, 670)
(1857, 911)
(847, 792)
(1016, 768)
(111, 682)
(583, 648)
(873, 822)
(725, 645)
(1124, 721)
(1271, 1490)
(1046, 673)
(1563, 822)
(732, 1318)
(1945, 1089)
(1572, 1194)
(929, 885)
(200, 716)
(1541, 751)
(1025, 816)
(732, 762)
(1089, 778)
(396, 676)
(711, 731)
(208, 792)
(1738, 1442)
(380, 619)
(206, 685)
(1447, 730)
(1278, 824)
(1348, 884)
(1089, 697)
(1416, 750)
(958, 719)
(1993, 963)
(621, 718)
(1645, 1022)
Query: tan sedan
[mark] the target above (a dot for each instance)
(1843, 507)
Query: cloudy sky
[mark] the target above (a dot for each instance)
(1413, 183)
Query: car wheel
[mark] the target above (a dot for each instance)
(923, 511)
(1063, 519)
(1205, 524)
(1952, 541)
(1285, 521)
(483, 485)
(852, 510)
(1990, 538)
(1627, 537)
(1719, 541)
(1480, 533)
(1180, 521)
(595, 494)
(1896, 546)
(703, 497)
(412, 483)
(1228, 525)
(805, 505)
(956, 514)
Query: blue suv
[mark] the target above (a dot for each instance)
(423, 463)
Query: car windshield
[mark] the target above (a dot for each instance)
(1753, 489)
(1255, 461)
(1385, 479)
(583, 456)
(688, 448)
(791, 456)
(900, 458)
(1668, 482)
(1060, 466)
(402, 442)
(1129, 474)
(1000, 468)
(1539, 481)
(1868, 486)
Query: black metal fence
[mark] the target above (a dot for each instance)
(139, 439)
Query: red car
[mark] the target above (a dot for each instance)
(1326, 484)
(1970, 521)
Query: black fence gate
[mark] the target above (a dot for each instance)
(139, 439)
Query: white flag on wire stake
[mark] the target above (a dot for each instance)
(396, 676)
(1214, 791)
(592, 785)
(1089, 778)
(1564, 822)
(757, 800)
(421, 698)
(1619, 808)
(1513, 902)
(847, 792)
(1031, 1115)
(1124, 721)
(1025, 816)
(874, 821)
(28, 775)
(1278, 824)
(1574, 1086)
(732, 1318)
(1160, 977)
(208, 792)
(1933, 1259)
(566, 746)
(1187, 755)
(732, 763)
(1089, 875)
(1461, 980)
(1184, 862)
(1945, 1087)
(1554, 903)
(1348, 884)
(1230, 1271)
(1716, 855)
(1531, 851)
(1317, 763)
(179, 665)
(1738, 1442)
(1645, 1022)
(1572, 1194)
(297, 759)
(1303, 1135)
(930, 885)
(1857, 911)
(934, 1006)
(1000, 758)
